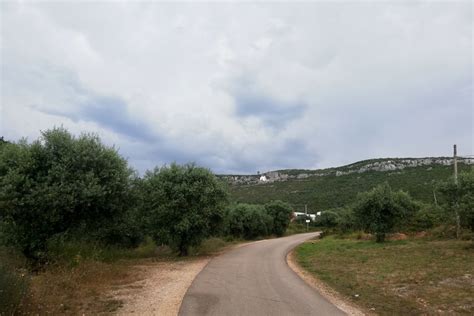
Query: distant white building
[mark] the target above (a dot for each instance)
(263, 178)
(312, 217)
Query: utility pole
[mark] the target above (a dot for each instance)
(456, 206)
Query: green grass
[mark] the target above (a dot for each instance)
(396, 277)
(325, 192)
(74, 252)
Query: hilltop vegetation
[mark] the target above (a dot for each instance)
(331, 191)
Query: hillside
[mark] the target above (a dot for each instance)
(335, 187)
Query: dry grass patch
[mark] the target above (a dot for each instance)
(78, 290)
(397, 277)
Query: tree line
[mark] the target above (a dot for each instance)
(382, 210)
(62, 188)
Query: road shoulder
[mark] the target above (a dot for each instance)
(160, 288)
(327, 292)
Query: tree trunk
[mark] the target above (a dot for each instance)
(183, 251)
(458, 223)
(380, 237)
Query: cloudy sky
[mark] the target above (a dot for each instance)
(241, 87)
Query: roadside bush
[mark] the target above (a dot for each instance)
(211, 246)
(346, 221)
(72, 252)
(298, 228)
(327, 219)
(248, 221)
(60, 183)
(459, 197)
(380, 210)
(183, 205)
(427, 217)
(281, 214)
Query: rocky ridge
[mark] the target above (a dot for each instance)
(379, 165)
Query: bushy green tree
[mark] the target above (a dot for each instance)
(183, 205)
(60, 183)
(327, 219)
(345, 221)
(460, 198)
(248, 221)
(280, 212)
(378, 211)
(428, 216)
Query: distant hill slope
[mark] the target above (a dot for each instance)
(334, 187)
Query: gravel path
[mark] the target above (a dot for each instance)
(161, 287)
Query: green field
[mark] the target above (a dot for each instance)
(325, 192)
(406, 277)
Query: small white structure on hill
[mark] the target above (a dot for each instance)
(263, 178)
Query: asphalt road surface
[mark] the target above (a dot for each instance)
(255, 280)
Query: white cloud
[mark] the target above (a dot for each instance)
(338, 81)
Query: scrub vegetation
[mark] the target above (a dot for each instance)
(71, 205)
(322, 193)
(71, 208)
(393, 255)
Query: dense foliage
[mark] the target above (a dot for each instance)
(380, 210)
(61, 188)
(247, 221)
(61, 184)
(184, 205)
(281, 213)
(460, 197)
(323, 193)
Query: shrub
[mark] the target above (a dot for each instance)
(459, 198)
(327, 219)
(211, 246)
(427, 217)
(59, 184)
(379, 210)
(346, 221)
(248, 221)
(281, 214)
(183, 204)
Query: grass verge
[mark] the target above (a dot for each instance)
(80, 275)
(396, 277)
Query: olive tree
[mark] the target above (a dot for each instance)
(248, 221)
(378, 211)
(458, 198)
(281, 214)
(182, 204)
(58, 184)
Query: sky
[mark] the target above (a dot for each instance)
(242, 87)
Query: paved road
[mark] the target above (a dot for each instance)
(255, 280)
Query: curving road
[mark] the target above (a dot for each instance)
(255, 280)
